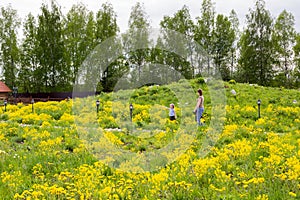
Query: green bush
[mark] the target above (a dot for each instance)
(200, 80)
(233, 82)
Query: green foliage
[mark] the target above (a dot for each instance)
(99, 87)
(27, 75)
(9, 60)
(284, 38)
(257, 49)
(204, 30)
(136, 40)
(154, 94)
(224, 37)
(53, 73)
(78, 41)
(182, 23)
(56, 45)
(249, 158)
(233, 82)
(200, 80)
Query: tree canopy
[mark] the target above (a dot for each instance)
(43, 53)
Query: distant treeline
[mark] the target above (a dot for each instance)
(53, 46)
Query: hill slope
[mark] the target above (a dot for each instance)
(45, 154)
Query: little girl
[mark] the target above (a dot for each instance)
(172, 112)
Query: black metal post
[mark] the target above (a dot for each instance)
(97, 104)
(258, 104)
(131, 109)
(32, 102)
(5, 103)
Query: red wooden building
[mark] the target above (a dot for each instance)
(4, 90)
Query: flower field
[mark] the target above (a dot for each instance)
(44, 153)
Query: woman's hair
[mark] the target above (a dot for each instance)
(200, 92)
(172, 105)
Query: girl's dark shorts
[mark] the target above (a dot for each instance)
(172, 118)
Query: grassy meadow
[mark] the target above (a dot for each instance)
(44, 154)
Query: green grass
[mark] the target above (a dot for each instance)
(252, 159)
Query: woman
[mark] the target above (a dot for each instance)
(199, 109)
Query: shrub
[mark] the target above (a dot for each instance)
(200, 80)
(233, 82)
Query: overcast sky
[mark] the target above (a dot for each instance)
(156, 9)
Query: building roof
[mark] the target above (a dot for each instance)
(4, 88)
